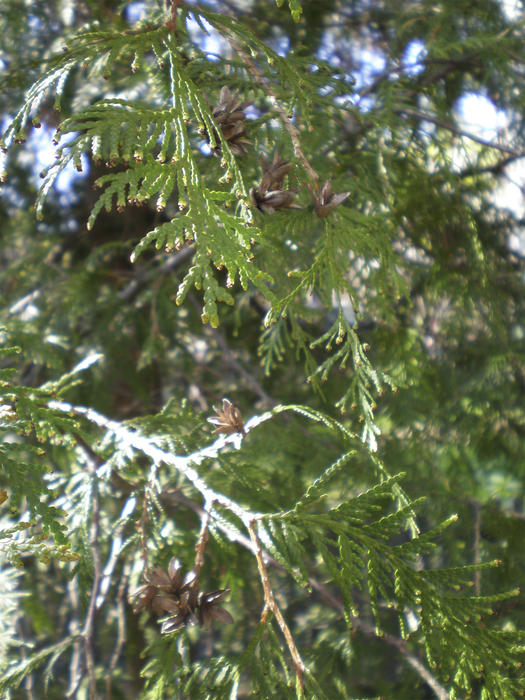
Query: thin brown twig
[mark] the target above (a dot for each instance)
(89, 623)
(440, 692)
(292, 130)
(121, 631)
(172, 22)
(476, 546)
(75, 673)
(252, 383)
(143, 530)
(203, 538)
(270, 604)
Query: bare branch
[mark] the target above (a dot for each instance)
(144, 276)
(143, 532)
(440, 691)
(121, 631)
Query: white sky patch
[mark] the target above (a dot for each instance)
(513, 9)
(68, 13)
(208, 40)
(136, 11)
(511, 195)
(40, 142)
(480, 115)
(371, 63)
(415, 52)
(282, 46)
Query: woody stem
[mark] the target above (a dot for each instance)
(271, 604)
(203, 538)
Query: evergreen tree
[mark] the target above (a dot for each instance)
(262, 356)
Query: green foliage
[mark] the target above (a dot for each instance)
(364, 527)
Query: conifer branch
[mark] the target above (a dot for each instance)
(270, 605)
(149, 447)
(345, 522)
(175, 496)
(255, 546)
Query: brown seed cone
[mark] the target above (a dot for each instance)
(327, 201)
(162, 589)
(228, 419)
(178, 599)
(229, 115)
(208, 609)
(273, 173)
(270, 195)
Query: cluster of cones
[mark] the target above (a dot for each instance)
(178, 600)
(271, 194)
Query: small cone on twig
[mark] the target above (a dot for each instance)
(229, 115)
(228, 419)
(270, 195)
(327, 201)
